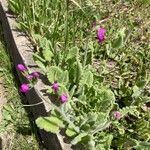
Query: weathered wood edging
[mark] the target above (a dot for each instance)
(21, 50)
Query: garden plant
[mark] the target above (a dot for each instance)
(96, 57)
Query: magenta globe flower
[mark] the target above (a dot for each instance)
(24, 88)
(116, 114)
(63, 98)
(101, 34)
(21, 67)
(35, 74)
(55, 87)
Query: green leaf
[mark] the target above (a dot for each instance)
(92, 117)
(121, 130)
(106, 100)
(73, 53)
(37, 56)
(62, 90)
(64, 78)
(108, 139)
(78, 71)
(136, 92)
(50, 124)
(78, 138)
(37, 37)
(6, 115)
(72, 91)
(90, 54)
(143, 146)
(142, 83)
(143, 129)
(101, 124)
(119, 42)
(54, 74)
(129, 110)
(129, 144)
(41, 65)
(50, 90)
(44, 43)
(47, 54)
(100, 147)
(70, 131)
(46, 49)
(91, 144)
(101, 118)
(87, 78)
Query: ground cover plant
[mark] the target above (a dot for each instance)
(95, 54)
(15, 127)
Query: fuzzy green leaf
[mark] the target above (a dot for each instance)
(70, 131)
(106, 100)
(73, 53)
(37, 57)
(143, 146)
(47, 54)
(54, 74)
(62, 90)
(50, 124)
(78, 138)
(72, 91)
(78, 71)
(87, 78)
(136, 92)
(41, 65)
(119, 42)
(129, 110)
(64, 77)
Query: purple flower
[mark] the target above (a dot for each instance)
(21, 67)
(55, 87)
(30, 77)
(24, 88)
(101, 34)
(35, 74)
(116, 114)
(63, 98)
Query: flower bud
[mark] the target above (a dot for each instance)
(21, 67)
(35, 74)
(116, 114)
(63, 98)
(55, 87)
(24, 88)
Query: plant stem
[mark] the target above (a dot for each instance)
(100, 128)
(67, 119)
(85, 52)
